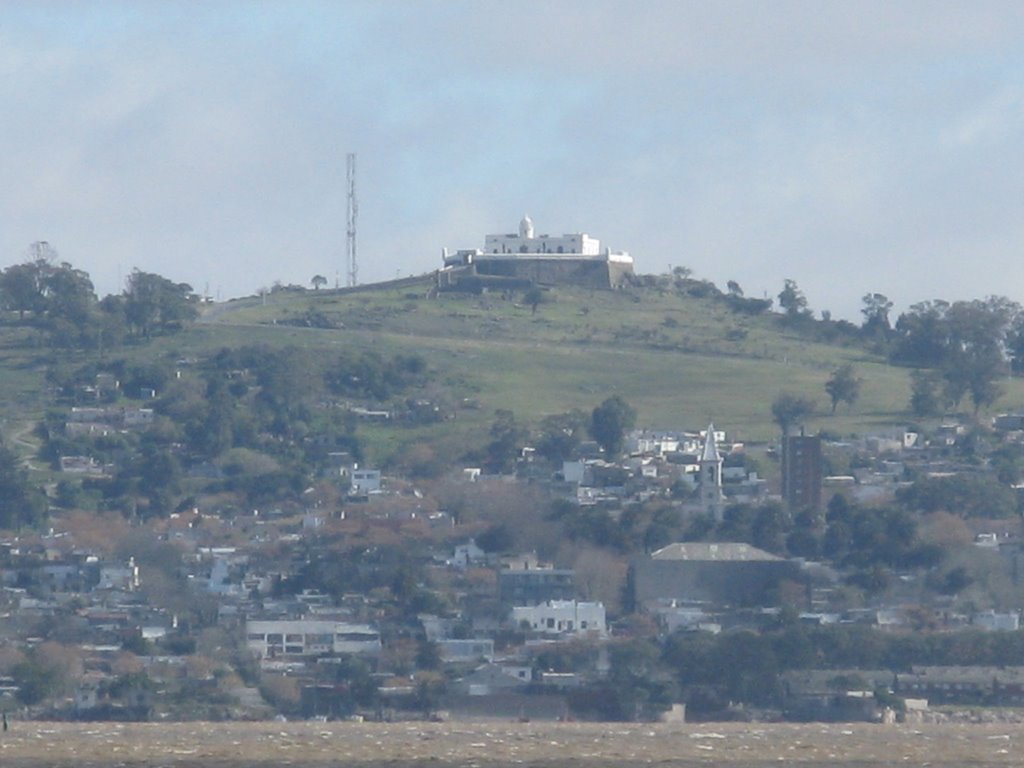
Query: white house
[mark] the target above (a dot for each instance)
(467, 554)
(365, 481)
(308, 637)
(558, 617)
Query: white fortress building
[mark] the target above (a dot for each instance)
(526, 257)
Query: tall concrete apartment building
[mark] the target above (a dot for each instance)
(801, 471)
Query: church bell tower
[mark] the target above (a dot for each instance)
(712, 500)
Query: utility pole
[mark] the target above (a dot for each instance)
(353, 211)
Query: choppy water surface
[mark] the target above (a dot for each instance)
(497, 744)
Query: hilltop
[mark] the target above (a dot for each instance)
(679, 360)
(676, 349)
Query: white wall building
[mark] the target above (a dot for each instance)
(527, 243)
(994, 622)
(308, 637)
(558, 617)
(365, 481)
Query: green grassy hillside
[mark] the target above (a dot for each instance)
(680, 361)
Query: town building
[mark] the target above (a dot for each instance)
(558, 617)
(802, 471)
(534, 585)
(718, 574)
(309, 637)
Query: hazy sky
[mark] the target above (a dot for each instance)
(852, 146)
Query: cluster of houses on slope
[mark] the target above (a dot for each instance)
(689, 587)
(710, 473)
(536, 601)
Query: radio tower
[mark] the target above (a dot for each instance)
(353, 211)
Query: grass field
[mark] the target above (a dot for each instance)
(681, 362)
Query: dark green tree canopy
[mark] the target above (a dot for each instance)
(609, 423)
(793, 301)
(20, 503)
(154, 304)
(507, 440)
(925, 397)
(843, 386)
(534, 297)
(967, 341)
(876, 314)
(788, 410)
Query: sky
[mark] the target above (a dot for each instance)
(854, 147)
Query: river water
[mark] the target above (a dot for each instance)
(506, 745)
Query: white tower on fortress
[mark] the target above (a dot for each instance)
(526, 228)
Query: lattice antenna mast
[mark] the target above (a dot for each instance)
(353, 212)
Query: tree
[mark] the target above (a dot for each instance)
(925, 399)
(21, 288)
(637, 688)
(154, 303)
(789, 409)
(977, 330)
(1015, 343)
(843, 386)
(965, 340)
(770, 525)
(793, 301)
(534, 297)
(560, 434)
(876, 315)
(71, 308)
(507, 440)
(609, 423)
(20, 503)
(922, 335)
(967, 495)
(318, 282)
(734, 289)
